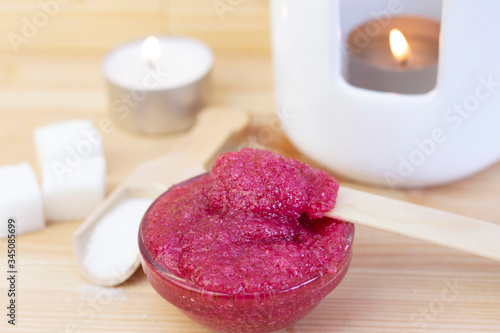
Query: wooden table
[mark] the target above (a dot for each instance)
(394, 284)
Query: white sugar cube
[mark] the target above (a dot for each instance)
(73, 167)
(72, 140)
(71, 193)
(20, 199)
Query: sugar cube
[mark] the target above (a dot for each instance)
(73, 167)
(72, 140)
(20, 199)
(71, 193)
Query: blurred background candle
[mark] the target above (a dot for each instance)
(400, 57)
(157, 85)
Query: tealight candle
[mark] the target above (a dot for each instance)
(157, 85)
(401, 56)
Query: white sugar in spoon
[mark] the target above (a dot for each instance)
(214, 127)
(431, 225)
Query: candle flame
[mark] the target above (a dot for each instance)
(399, 46)
(151, 50)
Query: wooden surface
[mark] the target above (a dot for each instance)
(394, 284)
(93, 26)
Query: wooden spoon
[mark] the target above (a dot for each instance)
(431, 225)
(213, 128)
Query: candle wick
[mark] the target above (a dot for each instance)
(151, 65)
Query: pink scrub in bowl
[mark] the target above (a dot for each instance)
(245, 248)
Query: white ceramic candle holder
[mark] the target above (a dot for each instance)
(382, 138)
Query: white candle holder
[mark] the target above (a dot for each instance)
(381, 138)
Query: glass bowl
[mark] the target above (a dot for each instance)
(261, 312)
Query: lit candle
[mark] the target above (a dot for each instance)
(158, 85)
(151, 51)
(399, 47)
(402, 57)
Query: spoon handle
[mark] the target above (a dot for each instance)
(213, 128)
(423, 223)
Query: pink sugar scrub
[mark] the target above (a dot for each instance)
(246, 248)
(267, 184)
